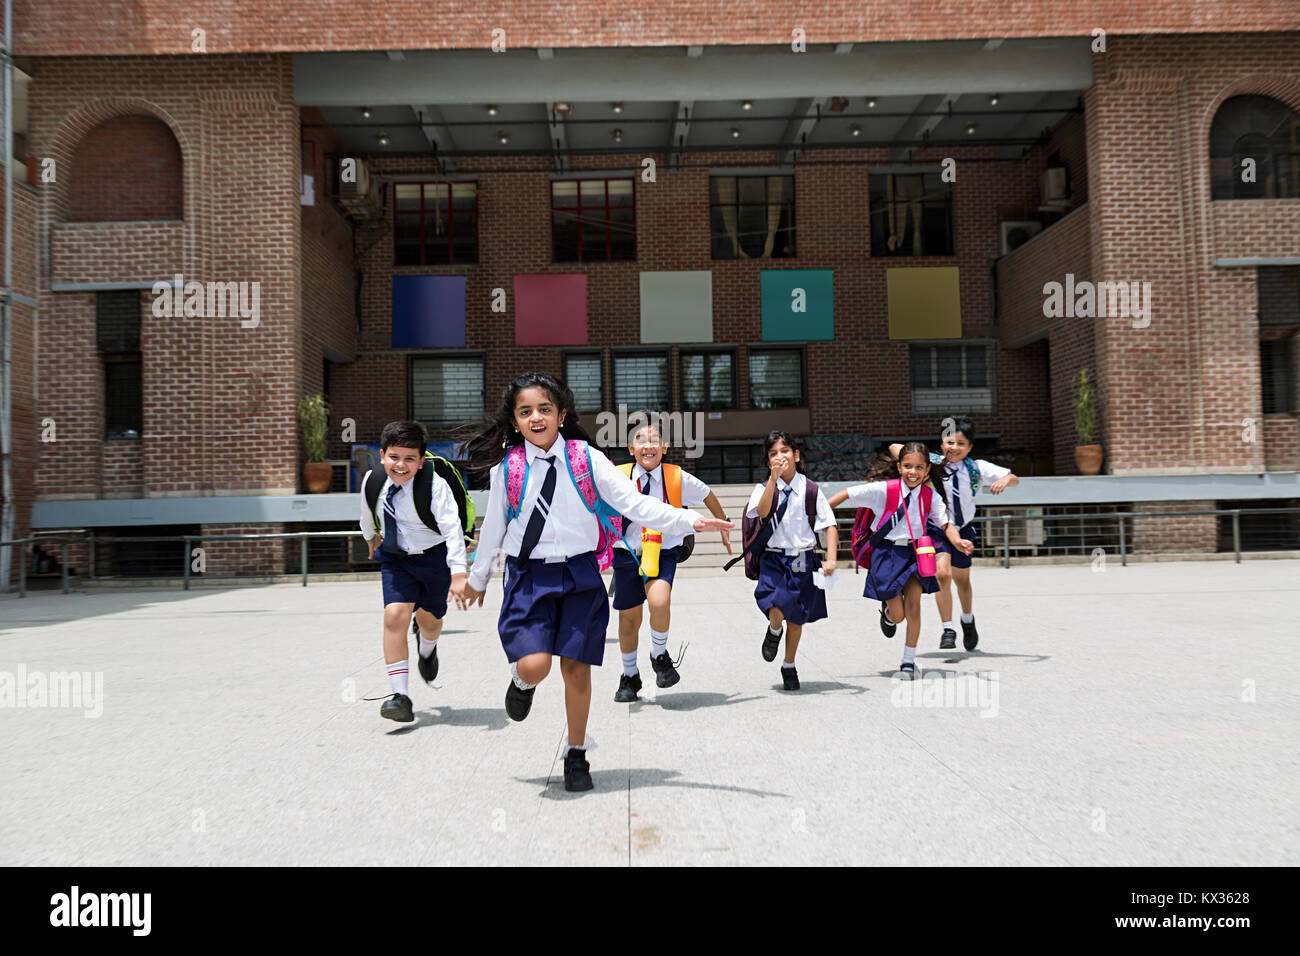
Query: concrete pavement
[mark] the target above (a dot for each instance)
(1140, 715)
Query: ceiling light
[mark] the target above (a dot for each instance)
(747, 104)
(383, 139)
(617, 107)
(855, 130)
(871, 102)
(993, 100)
(492, 110)
(735, 132)
(970, 129)
(365, 112)
(562, 108)
(618, 136)
(502, 137)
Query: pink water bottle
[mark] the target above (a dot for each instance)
(925, 564)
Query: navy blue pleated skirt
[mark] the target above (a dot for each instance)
(782, 586)
(891, 566)
(559, 609)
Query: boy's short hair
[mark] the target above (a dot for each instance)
(403, 435)
(960, 423)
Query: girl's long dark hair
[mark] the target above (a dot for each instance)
(484, 445)
(780, 434)
(885, 467)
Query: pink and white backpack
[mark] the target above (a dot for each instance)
(579, 457)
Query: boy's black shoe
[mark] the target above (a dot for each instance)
(428, 665)
(577, 772)
(790, 677)
(628, 687)
(397, 707)
(886, 628)
(518, 702)
(770, 643)
(907, 671)
(969, 636)
(949, 640)
(665, 674)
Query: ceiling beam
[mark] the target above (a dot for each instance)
(438, 135)
(802, 123)
(680, 135)
(559, 138)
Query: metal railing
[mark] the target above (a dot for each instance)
(996, 536)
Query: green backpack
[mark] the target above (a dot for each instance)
(423, 494)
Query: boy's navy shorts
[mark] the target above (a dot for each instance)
(421, 579)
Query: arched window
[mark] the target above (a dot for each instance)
(126, 168)
(1261, 129)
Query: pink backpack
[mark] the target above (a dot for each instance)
(609, 520)
(864, 537)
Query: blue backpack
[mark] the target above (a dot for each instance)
(972, 470)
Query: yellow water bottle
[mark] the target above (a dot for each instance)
(651, 542)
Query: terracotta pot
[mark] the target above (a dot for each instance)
(1088, 458)
(316, 476)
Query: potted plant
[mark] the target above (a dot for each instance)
(314, 416)
(1086, 454)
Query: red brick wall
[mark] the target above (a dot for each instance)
(1175, 535)
(127, 168)
(115, 251)
(673, 234)
(67, 27)
(244, 557)
(1281, 437)
(1174, 394)
(219, 397)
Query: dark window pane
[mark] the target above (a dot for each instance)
(753, 229)
(723, 246)
(408, 240)
(752, 189)
(948, 365)
(407, 196)
(593, 238)
(564, 194)
(1262, 129)
(446, 390)
(1275, 376)
(720, 392)
(921, 366)
(117, 320)
(1278, 289)
(123, 399)
(622, 234)
(976, 366)
(566, 237)
(464, 195)
(641, 382)
(775, 379)
(620, 192)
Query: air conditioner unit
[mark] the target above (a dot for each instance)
(1055, 188)
(361, 187)
(1013, 235)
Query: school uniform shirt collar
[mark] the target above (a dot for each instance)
(556, 450)
(639, 470)
(793, 485)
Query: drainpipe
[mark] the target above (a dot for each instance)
(6, 314)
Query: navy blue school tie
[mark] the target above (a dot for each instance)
(645, 487)
(537, 521)
(956, 502)
(390, 521)
(785, 500)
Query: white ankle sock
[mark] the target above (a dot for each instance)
(947, 625)
(629, 664)
(398, 672)
(787, 665)
(909, 654)
(519, 681)
(658, 642)
(426, 647)
(967, 618)
(773, 630)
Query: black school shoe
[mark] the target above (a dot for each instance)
(949, 640)
(518, 702)
(770, 642)
(628, 688)
(428, 665)
(886, 628)
(397, 707)
(665, 674)
(969, 636)
(577, 772)
(790, 677)
(907, 671)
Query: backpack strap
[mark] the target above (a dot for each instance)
(972, 472)
(673, 484)
(370, 487)
(422, 493)
(927, 496)
(627, 469)
(578, 453)
(893, 492)
(516, 472)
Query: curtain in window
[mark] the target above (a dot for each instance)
(727, 206)
(904, 195)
